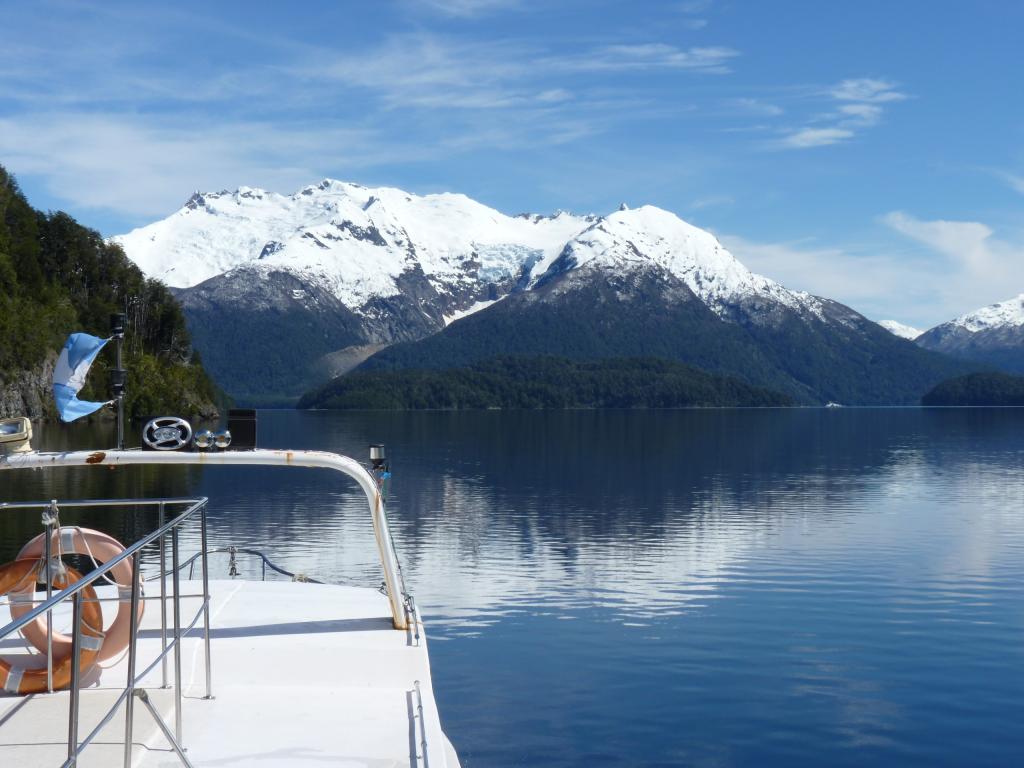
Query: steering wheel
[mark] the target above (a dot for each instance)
(167, 433)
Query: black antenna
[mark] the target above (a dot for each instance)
(118, 375)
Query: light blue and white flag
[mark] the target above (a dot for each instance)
(69, 375)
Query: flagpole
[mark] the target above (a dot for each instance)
(118, 376)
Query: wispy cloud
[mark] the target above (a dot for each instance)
(867, 90)
(804, 138)
(871, 282)
(961, 267)
(978, 269)
(144, 168)
(711, 59)
(969, 244)
(751, 106)
(466, 8)
(857, 104)
(694, 10)
(1013, 180)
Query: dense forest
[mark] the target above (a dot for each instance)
(842, 357)
(542, 382)
(992, 389)
(57, 277)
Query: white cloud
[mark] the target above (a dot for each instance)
(467, 8)
(864, 114)
(962, 266)
(554, 95)
(147, 168)
(867, 90)
(755, 107)
(864, 281)
(859, 107)
(816, 137)
(707, 59)
(969, 243)
(1015, 182)
(977, 268)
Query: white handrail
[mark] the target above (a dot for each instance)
(259, 457)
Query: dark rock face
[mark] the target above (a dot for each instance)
(27, 393)
(1002, 346)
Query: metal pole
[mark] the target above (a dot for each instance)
(76, 658)
(163, 595)
(119, 377)
(177, 635)
(167, 734)
(206, 601)
(48, 554)
(120, 401)
(133, 636)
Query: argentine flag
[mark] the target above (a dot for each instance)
(69, 375)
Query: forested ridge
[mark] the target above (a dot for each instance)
(57, 277)
(542, 382)
(978, 389)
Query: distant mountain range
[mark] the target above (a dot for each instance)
(283, 292)
(993, 335)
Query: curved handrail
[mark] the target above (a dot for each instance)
(393, 579)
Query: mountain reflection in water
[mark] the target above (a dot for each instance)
(766, 587)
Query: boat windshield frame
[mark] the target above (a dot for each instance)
(394, 583)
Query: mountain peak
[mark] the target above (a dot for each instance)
(902, 330)
(1009, 313)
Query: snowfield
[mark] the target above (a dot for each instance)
(356, 243)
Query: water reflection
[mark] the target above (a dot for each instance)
(794, 587)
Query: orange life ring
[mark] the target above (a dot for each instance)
(101, 547)
(15, 680)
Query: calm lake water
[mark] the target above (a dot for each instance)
(662, 588)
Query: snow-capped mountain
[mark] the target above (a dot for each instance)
(896, 328)
(649, 238)
(285, 291)
(992, 334)
(354, 242)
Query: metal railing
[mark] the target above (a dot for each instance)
(266, 562)
(74, 594)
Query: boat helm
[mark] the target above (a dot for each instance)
(167, 433)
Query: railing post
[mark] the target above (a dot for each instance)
(163, 597)
(206, 601)
(133, 635)
(76, 674)
(176, 583)
(50, 518)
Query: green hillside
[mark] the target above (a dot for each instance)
(978, 389)
(542, 382)
(848, 359)
(57, 277)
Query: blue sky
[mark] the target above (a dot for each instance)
(868, 151)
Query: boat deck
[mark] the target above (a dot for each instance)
(303, 674)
